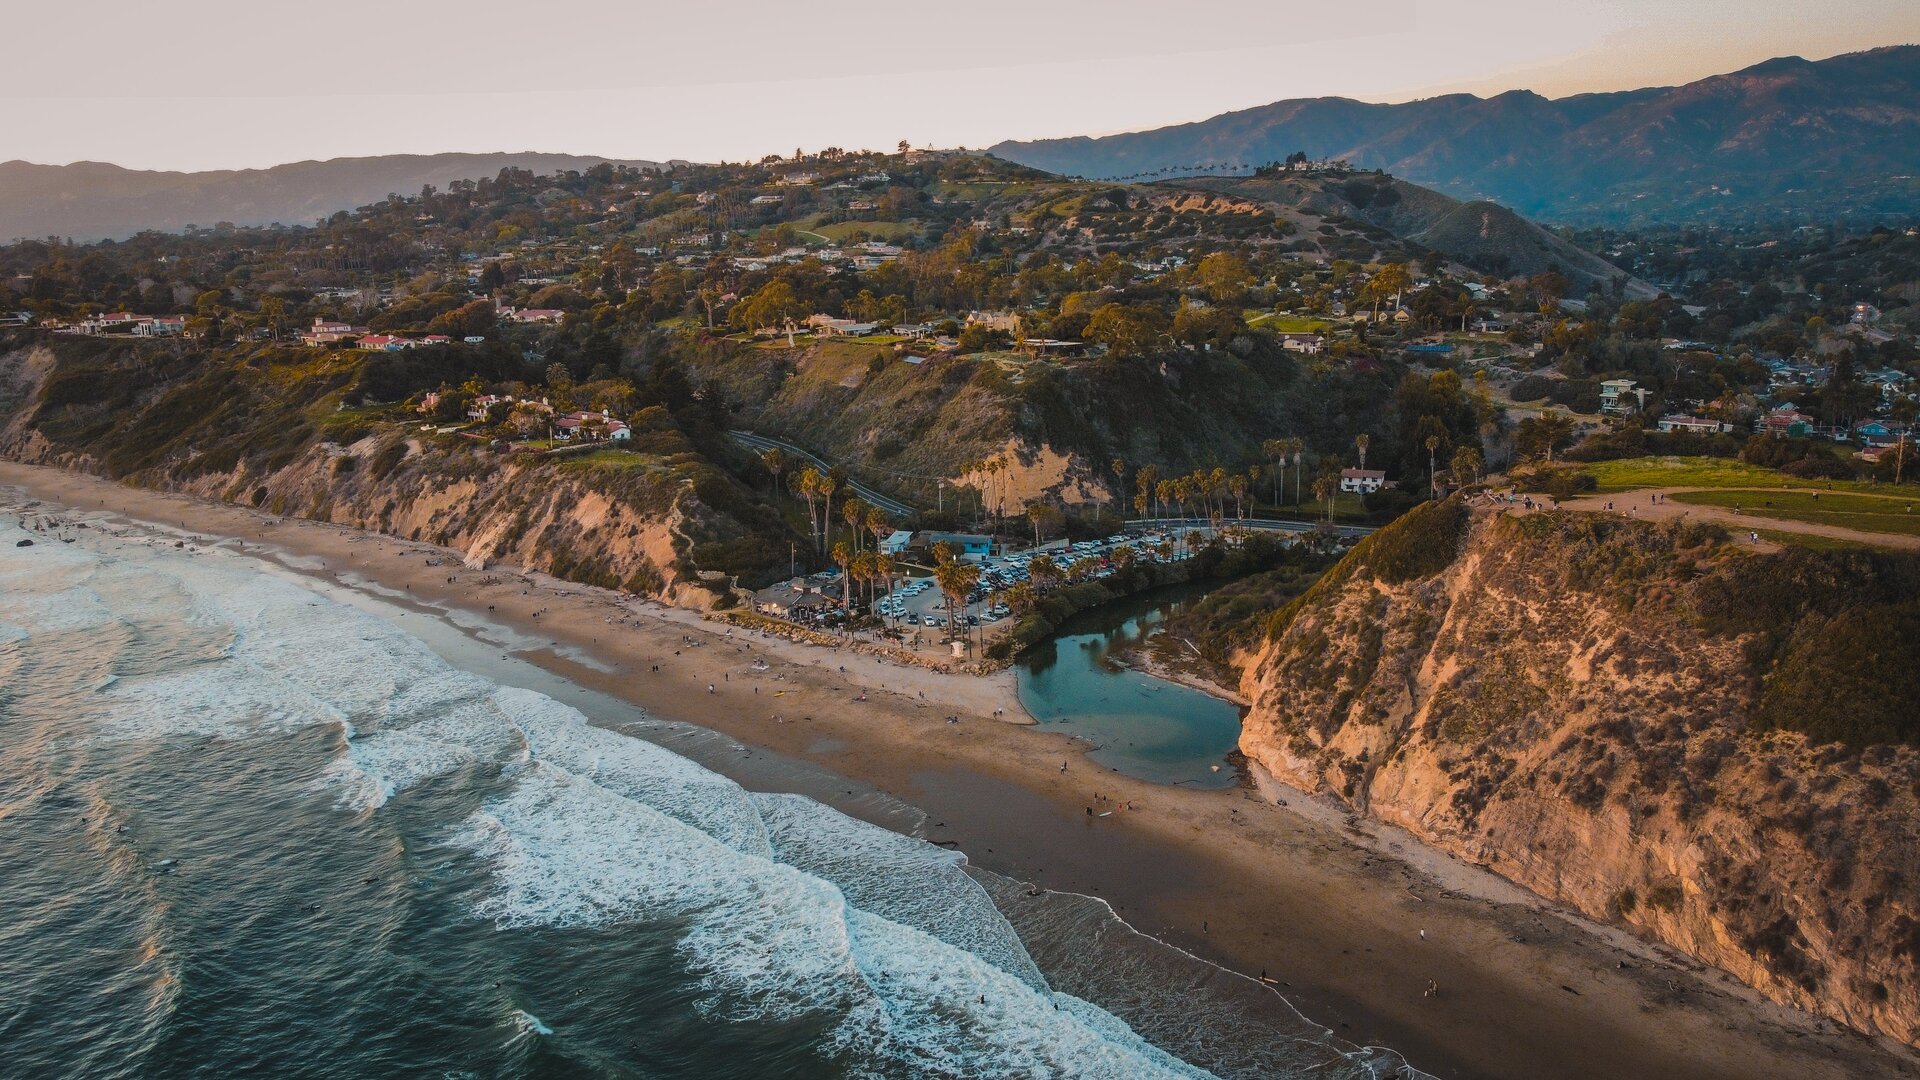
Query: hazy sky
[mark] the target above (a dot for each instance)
(198, 84)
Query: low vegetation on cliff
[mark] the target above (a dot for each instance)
(1642, 720)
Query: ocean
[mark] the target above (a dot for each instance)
(248, 828)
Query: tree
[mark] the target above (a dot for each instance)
(1433, 452)
(826, 486)
(1537, 437)
(878, 524)
(1224, 276)
(854, 513)
(956, 580)
(1392, 280)
(1127, 329)
(806, 484)
(1043, 572)
(775, 462)
(1466, 464)
(1360, 443)
(1324, 486)
(772, 305)
(843, 555)
(1277, 451)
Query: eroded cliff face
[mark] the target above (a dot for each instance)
(615, 525)
(1578, 704)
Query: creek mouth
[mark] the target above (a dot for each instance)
(1078, 682)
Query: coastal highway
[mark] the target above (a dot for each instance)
(762, 442)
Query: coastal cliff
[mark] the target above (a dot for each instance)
(275, 436)
(1648, 723)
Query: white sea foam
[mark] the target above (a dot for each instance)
(901, 878)
(784, 909)
(772, 942)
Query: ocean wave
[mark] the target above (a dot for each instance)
(772, 943)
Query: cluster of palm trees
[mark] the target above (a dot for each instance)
(993, 477)
(956, 579)
(1200, 493)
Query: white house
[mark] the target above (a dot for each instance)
(1615, 395)
(1693, 424)
(1362, 481)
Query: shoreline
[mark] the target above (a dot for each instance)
(1330, 908)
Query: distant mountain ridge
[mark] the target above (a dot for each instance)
(90, 200)
(1787, 135)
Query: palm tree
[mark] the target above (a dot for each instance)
(1035, 511)
(1237, 487)
(776, 463)
(854, 513)
(1043, 572)
(1299, 446)
(1021, 596)
(843, 555)
(1360, 443)
(879, 524)
(883, 569)
(1119, 467)
(826, 487)
(1277, 451)
(1324, 486)
(1433, 451)
(956, 580)
(806, 484)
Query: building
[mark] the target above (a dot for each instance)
(969, 546)
(1362, 481)
(1786, 421)
(1617, 396)
(1307, 344)
(896, 542)
(995, 320)
(789, 599)
(1693, 425)
(323, 332)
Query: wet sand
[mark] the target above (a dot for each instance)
(1332, 911)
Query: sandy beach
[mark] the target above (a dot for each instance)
(1351, 922)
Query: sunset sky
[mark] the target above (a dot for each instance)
(205, 84)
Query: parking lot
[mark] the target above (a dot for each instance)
(918, 602)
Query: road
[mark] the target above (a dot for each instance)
(761, 442)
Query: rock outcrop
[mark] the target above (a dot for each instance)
(1642, 722)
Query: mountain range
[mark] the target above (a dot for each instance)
(91, 200)
(1789, 136)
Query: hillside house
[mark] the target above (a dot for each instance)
(1617, 396)
(1362, 481)
(1694, 425)
(995, 320)
(1305, 344)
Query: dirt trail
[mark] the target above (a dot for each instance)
(1642, 504)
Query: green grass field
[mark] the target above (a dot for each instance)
(838, 231)
(1866, 513)
(1705, 472)
(1288, 324)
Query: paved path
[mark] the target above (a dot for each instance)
(1640, 504)
(761, 442)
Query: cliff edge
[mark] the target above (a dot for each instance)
(1714, 747)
